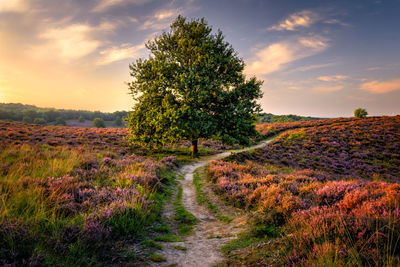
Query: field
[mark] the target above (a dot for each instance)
(323, 192)
(326, 192)
(69, 194)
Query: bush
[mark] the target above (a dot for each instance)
(27, 119)
(98, 123)
(360, 113)
(118, 121)
(60, 121)
(39, 121)
(81, 119)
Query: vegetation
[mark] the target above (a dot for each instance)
(360, 113)
(68, 195)
(326, 194)
(191, 87)
(271, 118)
(51, 116)
(98, 123)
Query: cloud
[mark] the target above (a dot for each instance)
(275, 56)
(118, 53)
(336, 21)
(303, 18)
(311, 67)
(14, 5)
(161, 19)
(328, 88)
(106, 4)
(69, 43)
(333, 78)
(378, 87)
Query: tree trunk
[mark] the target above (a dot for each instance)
(194, 148)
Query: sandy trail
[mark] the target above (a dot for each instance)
(203, 246)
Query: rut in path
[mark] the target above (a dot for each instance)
(209, 234)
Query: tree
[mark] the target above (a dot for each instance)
(41, 121)
(118, 121)
(192, 86)
(81, 119)
(98, 123)
(360, 113)
(60, 121)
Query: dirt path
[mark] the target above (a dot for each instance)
(203, 246)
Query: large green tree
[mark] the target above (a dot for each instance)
(191, 86)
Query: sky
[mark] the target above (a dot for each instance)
(316, 58)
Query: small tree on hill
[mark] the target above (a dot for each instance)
(98, 123)
(81, 119)
(360, 113)
(192, 86)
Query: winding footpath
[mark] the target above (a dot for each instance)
(209, 234)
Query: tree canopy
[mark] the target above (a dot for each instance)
(360, 113)
(192, 86)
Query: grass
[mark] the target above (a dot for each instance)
(180, 247)
(201, 198)
(153, 244)
(168, 238)
(36, 219)
(243, 241)
(157, 257)
(197, 185)
(184, 218)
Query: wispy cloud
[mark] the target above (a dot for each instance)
(303, 18)
(161, 19)
(332, 78)
(14, 5)
(275, 56)
(69, 43)
(379, 87)
(106, 4)
(328, 88)
(118, 53)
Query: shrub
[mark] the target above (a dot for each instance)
(39, 121)
(81, 119)
(60, 121)
(98, 123)
(360, 113)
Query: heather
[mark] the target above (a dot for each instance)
(325, 194)
(69, 196)
(100, 139)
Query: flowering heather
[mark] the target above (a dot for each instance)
(334, 189)
(367, 148)
(17, 133)
(66, 190)
(270, 129)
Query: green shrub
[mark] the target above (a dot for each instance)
(360, 113)
(98, 123)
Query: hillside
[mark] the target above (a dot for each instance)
(321, 194)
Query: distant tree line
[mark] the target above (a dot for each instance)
(271, 118)
(51, 116)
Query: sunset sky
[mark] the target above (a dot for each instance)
(317, 58)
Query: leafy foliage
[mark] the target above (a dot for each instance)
(271, 118)
(98, 123)
(29, 113)
(360, 113)
(191, 87)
